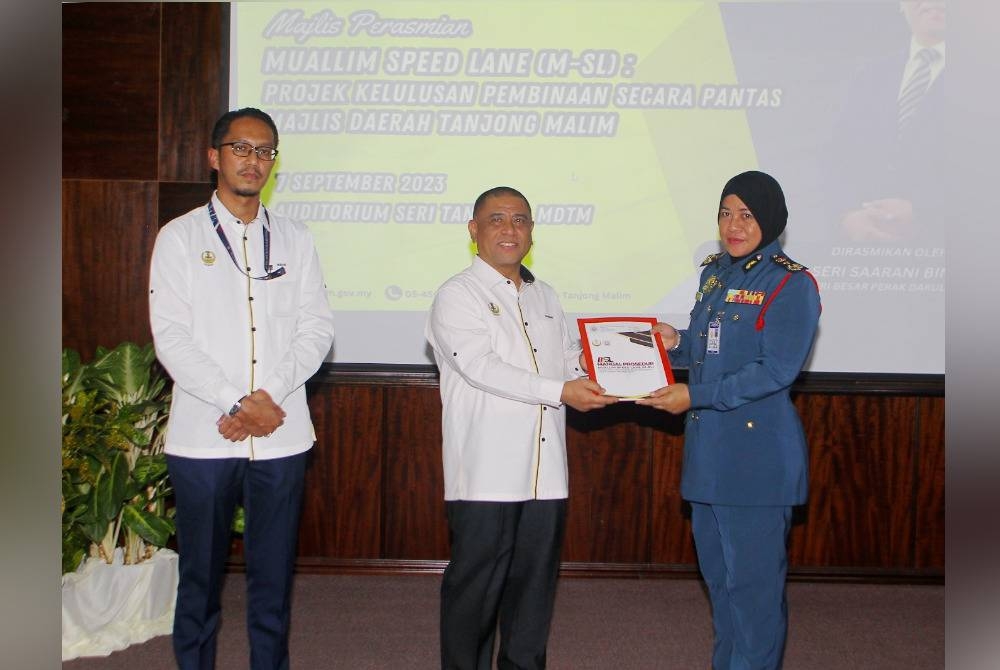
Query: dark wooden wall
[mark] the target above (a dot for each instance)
(142, 85)
(876, 508)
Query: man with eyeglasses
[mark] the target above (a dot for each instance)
(240, 320)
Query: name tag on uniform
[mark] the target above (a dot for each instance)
(714, 335)
(745, 297)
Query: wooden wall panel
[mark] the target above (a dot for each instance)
(860, 510)
(110, 90)
(672, 543)
(195, 89)
(868, 492)
(181, 198)
(342, 506)
(415, 526)
(609, 463)
(108, 230)
(930, 509)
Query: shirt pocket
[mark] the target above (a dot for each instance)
(282, 297)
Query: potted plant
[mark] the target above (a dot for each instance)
(115, 489)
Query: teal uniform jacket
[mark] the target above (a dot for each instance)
(744, 443)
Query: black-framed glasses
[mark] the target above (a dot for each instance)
(243, 149)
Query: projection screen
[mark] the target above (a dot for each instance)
(620, 121)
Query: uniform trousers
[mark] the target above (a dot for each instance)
(504, 565)
(743, 556)
(207, 491)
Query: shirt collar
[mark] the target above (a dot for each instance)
(750, 261)
(489, 275)
(937, 65)
(227, 217)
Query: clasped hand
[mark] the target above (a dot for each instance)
(584, 394)
(674, 399)
(259, 416)
(883, 219)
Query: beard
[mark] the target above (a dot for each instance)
(246, 192)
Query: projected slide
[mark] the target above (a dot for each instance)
(620, 121)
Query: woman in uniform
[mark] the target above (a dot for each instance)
(745, 458)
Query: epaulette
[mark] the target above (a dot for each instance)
(752, 261)
(710, 258)
(787, 263)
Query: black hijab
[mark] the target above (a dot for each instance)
(762, 194)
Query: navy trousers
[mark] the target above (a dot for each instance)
(504, 565)
(743, 556)
(206, 493)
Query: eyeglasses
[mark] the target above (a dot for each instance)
(243, 149)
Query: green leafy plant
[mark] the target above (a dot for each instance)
(114, 473)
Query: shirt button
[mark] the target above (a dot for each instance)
(254, 361)
(750, 425)
(543, 439)
(535, 350)
(253, 329)
(526, 323)
(251, 298)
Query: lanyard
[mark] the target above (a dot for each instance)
(267, 245)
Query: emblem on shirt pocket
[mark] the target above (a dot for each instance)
(208, 258)
(495, 309)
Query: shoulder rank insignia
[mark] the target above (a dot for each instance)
(752, 261)
(787, 263)
(710, 258)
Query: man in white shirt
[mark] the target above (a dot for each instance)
(240, 321)
(508, 369)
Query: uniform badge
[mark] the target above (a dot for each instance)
(714, 335)
(495, 309)
(752, 262)
(208, 258)
(787, 263)
(742, 296)
(710, 285)
(710, 258)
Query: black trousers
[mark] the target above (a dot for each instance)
(207, 492)
(504, 565)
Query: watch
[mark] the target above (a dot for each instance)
(236, 407)
(673, 348)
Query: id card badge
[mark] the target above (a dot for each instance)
(714, 334)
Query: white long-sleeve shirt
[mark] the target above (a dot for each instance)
(221, 335)
(503, 355)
